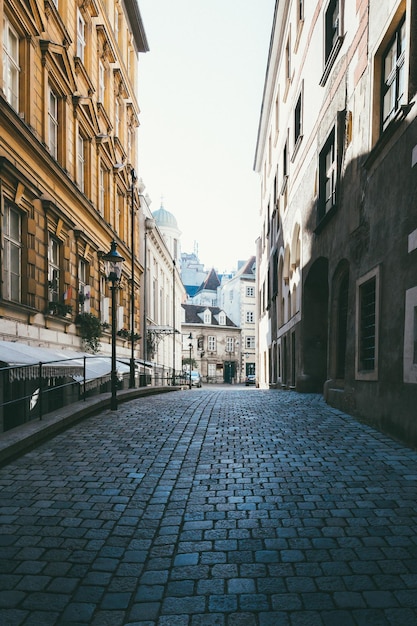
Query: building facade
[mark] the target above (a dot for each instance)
(68, 150)
(164, 295)
(212, 342)
(337, 250)
(237, 297)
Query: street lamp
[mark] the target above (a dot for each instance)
(132, 286)
(114, 262)
(190, 347)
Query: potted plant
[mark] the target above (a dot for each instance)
(91, 330)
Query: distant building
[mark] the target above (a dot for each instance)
(206, 294)
(168, 226)
(193, 273)
(237, 297)
(215, 343)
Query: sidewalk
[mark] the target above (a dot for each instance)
(23, 438)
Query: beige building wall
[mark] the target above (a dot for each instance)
(68, 144)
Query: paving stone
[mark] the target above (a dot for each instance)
(221, 507)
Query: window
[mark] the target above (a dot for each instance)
(250, 292)
(367, 295)
(300, 10)
(11, 69)
(331, 27)
(81, 42)
(410, 337)
(117, 118)
(54, 273)
(367, 326)
(415, 337)
(81, 162)
(250, 343)
(207, 317)
(333, 36)
(84, 290)
(250, 317)
(211, 343)
(298, 121)
(12, 260)
(101, 82)
(230, 344)
(222, 318)
(53, 124)
(327, 177)
(393, 76)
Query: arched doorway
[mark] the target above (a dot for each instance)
(315, 326)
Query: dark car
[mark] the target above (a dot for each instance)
(250, 380)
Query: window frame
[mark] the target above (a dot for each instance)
(211, 343)
(81, 36)
(325, 174)
(332, 36)
(394, 78)
(11, 243)
(54, 268)
(53, 124)
(362, 373)
(11, 66)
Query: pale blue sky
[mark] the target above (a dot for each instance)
(200, 94)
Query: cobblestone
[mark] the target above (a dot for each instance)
(215, 507)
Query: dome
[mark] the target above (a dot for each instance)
(164, 218)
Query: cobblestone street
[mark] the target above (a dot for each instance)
(211, 507)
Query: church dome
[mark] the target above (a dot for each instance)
(165, 219)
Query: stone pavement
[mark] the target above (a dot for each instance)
(234, 507)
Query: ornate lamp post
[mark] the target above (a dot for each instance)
(132, 286)
(114, 262)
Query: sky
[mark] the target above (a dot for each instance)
(200, 96)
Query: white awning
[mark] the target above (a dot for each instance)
(25, 360)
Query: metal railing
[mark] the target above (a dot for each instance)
(29, 392)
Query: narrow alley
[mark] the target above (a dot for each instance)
(211, 507)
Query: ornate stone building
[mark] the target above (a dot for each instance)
(336, 155)
(68, 149)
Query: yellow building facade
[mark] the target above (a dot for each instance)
(68, 149)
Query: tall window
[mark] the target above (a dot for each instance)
(211, 343)
(393, 75)
(298, 120)
(54, 272)
(117, 118)
(81, 162)
(300, 10)
(53, 123)
(230, 344)
(367, 325)
(81, 42)
(101, 82)
(12, 260)
(11, 69)
(250, 292)
(102, 191)
(331, 27)
(327, 177)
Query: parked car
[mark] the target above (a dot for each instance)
(195, 379)
(250, 380)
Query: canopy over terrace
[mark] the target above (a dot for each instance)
(30, 362)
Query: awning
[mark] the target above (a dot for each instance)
(25, 360)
